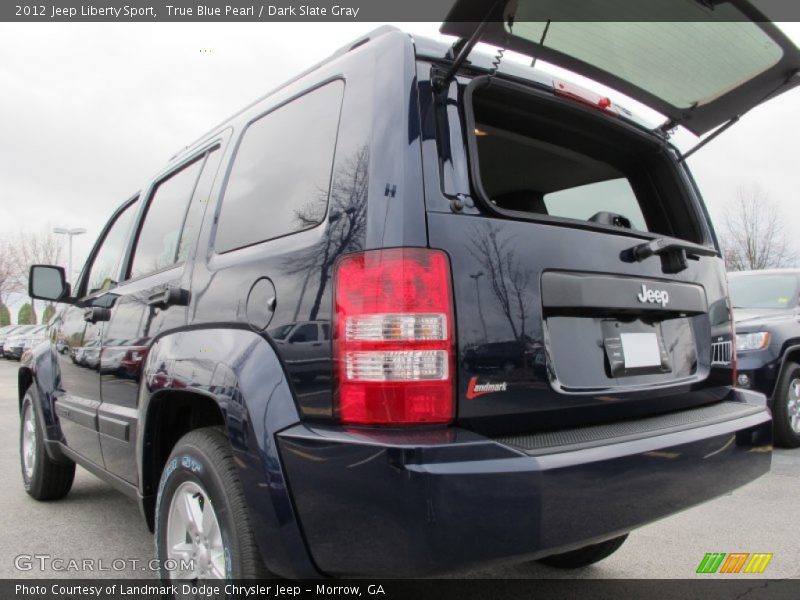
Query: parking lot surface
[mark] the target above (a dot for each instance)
(96, 522)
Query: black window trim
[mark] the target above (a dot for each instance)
(237, 144)
(80, 290)
(476, 183)
(200, 155)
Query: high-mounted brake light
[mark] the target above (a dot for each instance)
(393, 337)
(584, 96)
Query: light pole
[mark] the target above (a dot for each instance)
(70, 233)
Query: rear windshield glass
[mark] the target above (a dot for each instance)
(763, 291)
(537, 158)
(683, 63)
(581, 202)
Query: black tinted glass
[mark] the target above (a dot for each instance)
(157, 245)
(281, 174)
(104, 272)
(194, 216)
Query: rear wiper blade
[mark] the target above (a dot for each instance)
(663, 246)
(673, 253)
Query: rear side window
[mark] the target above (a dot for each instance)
(159, 237)
(281, 173)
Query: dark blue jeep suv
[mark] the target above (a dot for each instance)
(283, 346)
(766, 309)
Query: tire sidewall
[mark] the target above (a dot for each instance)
(189, 463)
(781, 409)
(30, 483)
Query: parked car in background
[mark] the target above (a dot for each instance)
(123, 358)
(15, 330)
(17, 343)
(304, 347)
(766, 309)
(4, 333)
(36, 337)
(88, 355)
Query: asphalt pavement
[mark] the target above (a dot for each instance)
(96, 523)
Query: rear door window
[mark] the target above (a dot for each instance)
(158, 244)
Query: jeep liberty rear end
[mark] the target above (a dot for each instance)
(593, 340)
(435, 311)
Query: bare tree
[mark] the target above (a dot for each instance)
(753, 235)
(508, 277)
(27, 249)
(7, 271)
(347, 216)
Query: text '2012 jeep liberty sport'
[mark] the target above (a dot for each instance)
(408, 296)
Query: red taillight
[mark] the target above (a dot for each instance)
(393, 337)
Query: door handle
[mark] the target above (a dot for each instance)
(96, 313)
(170, 296)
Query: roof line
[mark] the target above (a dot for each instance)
(374, 34)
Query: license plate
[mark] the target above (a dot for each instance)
(640, 350)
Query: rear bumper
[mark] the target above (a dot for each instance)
(410, 503)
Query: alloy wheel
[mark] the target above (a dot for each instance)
(194, 539)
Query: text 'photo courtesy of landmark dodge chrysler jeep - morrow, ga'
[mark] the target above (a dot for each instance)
(414, 293)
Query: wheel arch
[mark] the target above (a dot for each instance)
(40, 369)
(170, 415)
(230, 376)
(24, 381)
(791, 354)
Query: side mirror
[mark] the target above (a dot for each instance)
(47, 282)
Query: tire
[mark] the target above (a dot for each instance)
(786, 407)
(44, 478)
(200, 475)
(583, 557)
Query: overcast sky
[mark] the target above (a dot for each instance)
(88, 112)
